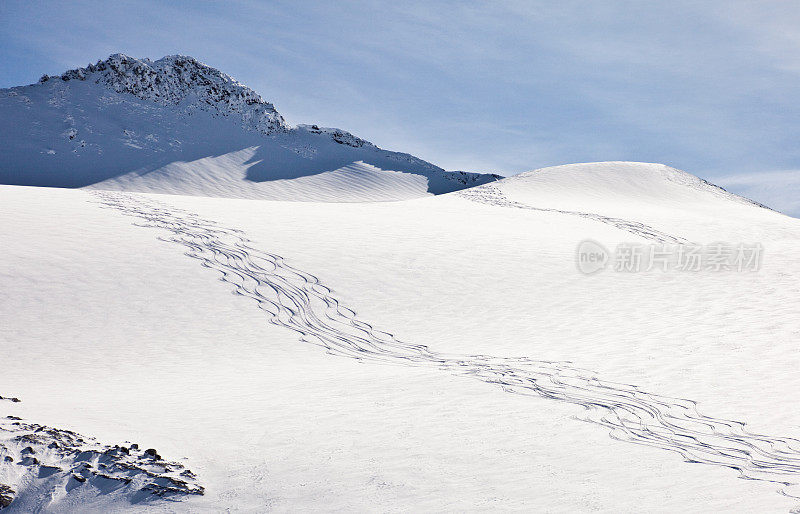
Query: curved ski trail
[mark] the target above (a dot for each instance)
(492, 195)
(297, 300)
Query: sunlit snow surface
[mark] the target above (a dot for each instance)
(114, 331)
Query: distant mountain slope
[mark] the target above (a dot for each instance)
(178, 126)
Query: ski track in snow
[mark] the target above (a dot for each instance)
(492, 195)
(298, 301)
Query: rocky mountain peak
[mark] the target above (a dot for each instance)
(180, 79)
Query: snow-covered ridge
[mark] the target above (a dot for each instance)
(178, 126)
(631, 196)
(471, 179)
(637, 181)
(340, 136)
(175, 79)
(178, 78)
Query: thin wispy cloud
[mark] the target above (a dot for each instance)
(780, 190)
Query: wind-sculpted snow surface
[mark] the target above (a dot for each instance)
(492, 195)
(297, 300)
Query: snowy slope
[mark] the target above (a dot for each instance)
(658, 199)
(629, 184)
(175, 125)
(144, 344)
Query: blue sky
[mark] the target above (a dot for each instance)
(709, 87)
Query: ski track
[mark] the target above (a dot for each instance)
(492, 195)
(298, 301)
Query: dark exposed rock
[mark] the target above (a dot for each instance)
(6, 496)
(63, 453)
(175, 78)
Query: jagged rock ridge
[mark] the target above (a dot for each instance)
(177, 78)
